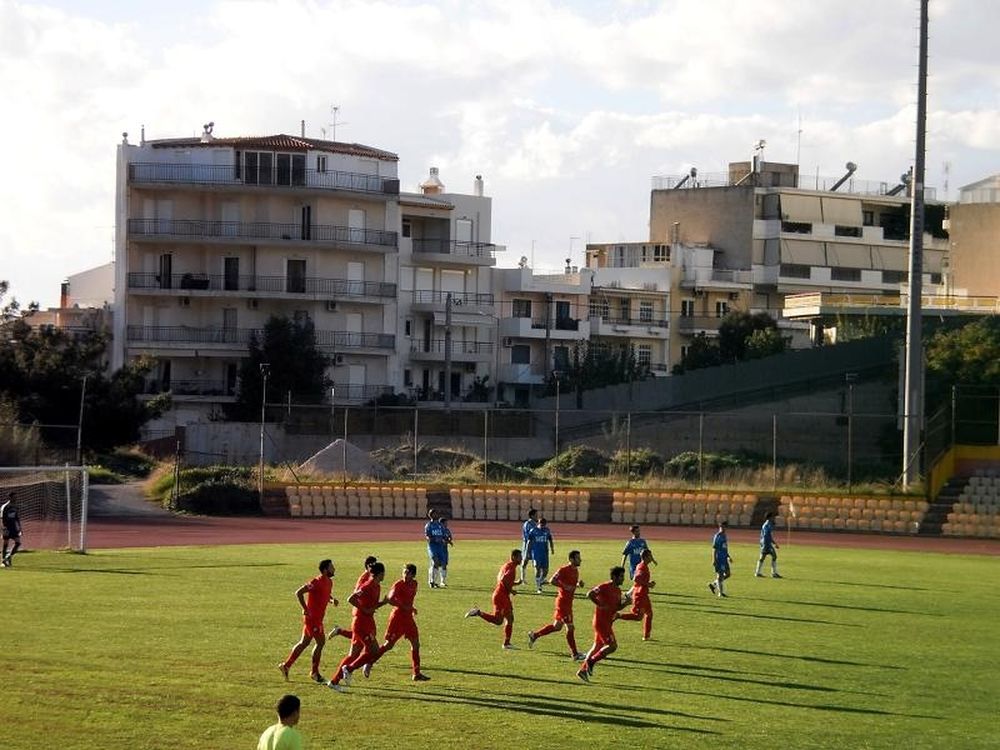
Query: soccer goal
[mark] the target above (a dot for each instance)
(51, 503)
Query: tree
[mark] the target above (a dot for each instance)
(296, 366)
(592, 366)
(969, 355)
(735, 331)
(742, 335)
(764, 342)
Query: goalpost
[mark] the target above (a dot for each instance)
(51, 503)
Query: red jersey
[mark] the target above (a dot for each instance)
(318, 595)
(506, 577)
(640, 583)
(367, 595)
(609, 599)
(566, 579)
(402, 594)
(362, 579)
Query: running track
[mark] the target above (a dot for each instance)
(104, 533)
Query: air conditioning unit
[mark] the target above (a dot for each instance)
(331, 306)
(184, 301)
(338, 359)
(252, 304)
(734, 295)
(508, 342)
(456, 302)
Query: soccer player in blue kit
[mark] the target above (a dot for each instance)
(436, 548)
(768, 547)
(526, 529)
(632, 554)
(720, 559)
(541, 543)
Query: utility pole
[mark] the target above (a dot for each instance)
(79, 423)
(913, 374)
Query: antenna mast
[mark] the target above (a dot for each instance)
(334, 110)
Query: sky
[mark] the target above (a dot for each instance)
(567, 109)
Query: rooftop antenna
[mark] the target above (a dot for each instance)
(798, 141)
(946, 167)
(334, 110)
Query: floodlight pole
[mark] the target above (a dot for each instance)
(79, 423)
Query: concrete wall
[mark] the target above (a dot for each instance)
(975, 248)
(721, 217)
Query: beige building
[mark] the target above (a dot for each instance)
(974, 226)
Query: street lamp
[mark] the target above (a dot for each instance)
(265, 370)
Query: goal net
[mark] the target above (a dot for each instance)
(51, 503)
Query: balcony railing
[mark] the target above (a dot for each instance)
(355, 392)
(455, 247)
(559, 324)
(259, 230)
(805, 182)
(640, 321)
(180, 387)
(335, 340)
(436, 346)
(699, 322)
(470, 299)
(214, 174)
(280, 284)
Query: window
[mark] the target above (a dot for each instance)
(796, 227)
(646, 311)
(520, 354)
(794, 271)
(894, 277)
(868, 218)
(847, 231)
(521, 308)
(267, 168)
(598, 308)
(624, 309)
(560, 358)
(687, 308)
(295, 276)
(935, 278)
(684, 352)
(407, 377)
(644, 355)
(407, 228)
(661, 252)
(845, 274)
(409, 327)
(721, 309)
(320, 163)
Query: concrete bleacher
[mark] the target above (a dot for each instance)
(976, 512)
(356, 501)
(513, 503)
(682, 508)
(874, 514)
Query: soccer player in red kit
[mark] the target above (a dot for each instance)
(401, 623)
(642, 608)
(607, 599)
(566, 580)
(313, 596)
(503, 607)
(365, 575)
(364, 637)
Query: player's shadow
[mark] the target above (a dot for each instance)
(817, 707)
(695, 671)
(579, 711)
(797, 657)
(866, 585)
(164, 569)
(778, 618)
(111, 571)
(841, 606)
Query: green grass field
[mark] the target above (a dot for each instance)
(176, 647)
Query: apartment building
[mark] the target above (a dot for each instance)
(798, 234)
(630, 303)
(446, 298)
(974, 227)
(542, 318)
(215, 235)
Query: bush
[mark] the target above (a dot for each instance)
(126, 462)
(577, 461)
(640, 462)
(216, 497)
(98, 474)
(685, 465)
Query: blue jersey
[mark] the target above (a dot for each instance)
(526, 530)
(539, 539)
(434, 532)
(721, 547)
(767, 534)
(633, 550)
(445, 534)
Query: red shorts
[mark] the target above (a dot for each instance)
(604, 636)
(502, 604)
(401, 627)
(564, 610)
(641, 605)
(312, 629)
(363, 632)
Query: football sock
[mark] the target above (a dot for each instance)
(550, 628)
(315, 660)
(571, 640)
(774, 565)
(647, 625)
(719, 583)
(293, 655)
(444, 574)
(602, 653)
(430, 575)
(508, 631)
(4, 548)
(415, 660)
(760, 562)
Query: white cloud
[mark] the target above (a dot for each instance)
(567, 109)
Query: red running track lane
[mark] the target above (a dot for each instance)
(105, 533)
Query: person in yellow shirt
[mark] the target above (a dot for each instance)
(283, 735)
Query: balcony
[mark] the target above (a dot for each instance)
(259, 233)
(690, 325)
(455, 252)
(461, 302)
(356, 393)
(276, 286)
(192, 389)
(562, 329)
(606, 325)
(229, 339)
(461, 351)
(155, 174)
(716, 278)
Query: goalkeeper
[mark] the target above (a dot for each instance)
(11, 529)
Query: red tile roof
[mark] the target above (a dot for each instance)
(280, 142)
